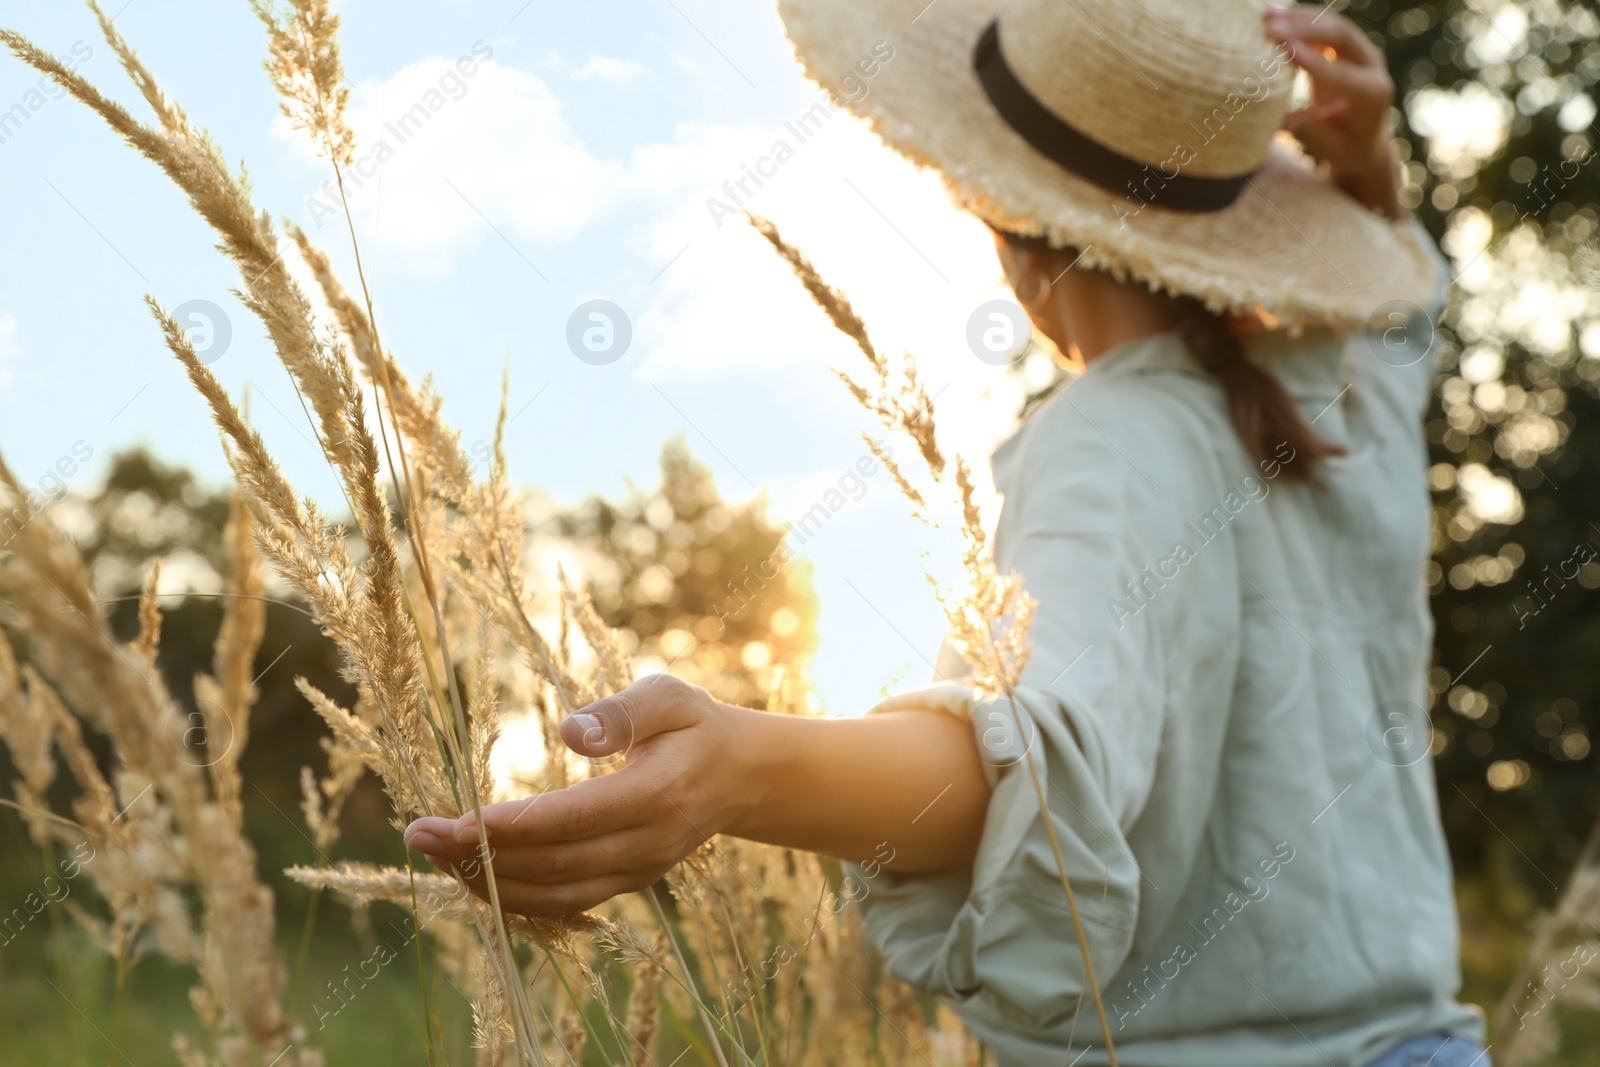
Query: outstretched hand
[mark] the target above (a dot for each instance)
(570, 849)
(856, 789)
(1347, 123)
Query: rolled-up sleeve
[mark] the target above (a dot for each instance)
(1083, 731)
(1209, 645)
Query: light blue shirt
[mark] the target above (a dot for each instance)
(1226, 702)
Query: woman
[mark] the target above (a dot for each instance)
(1225, 527)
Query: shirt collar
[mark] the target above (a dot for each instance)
(1310, 366)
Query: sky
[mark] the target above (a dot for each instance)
(566, 161)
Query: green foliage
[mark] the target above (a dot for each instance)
(1514, 433)
(1514, 421)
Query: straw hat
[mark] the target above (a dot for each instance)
(1142, 132)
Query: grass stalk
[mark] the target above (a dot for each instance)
(577, 1006)
(716, 974)
(303, 954)
(1543, 941)
(1061, 870)
(903, 406)
(460, 761)
(688, 982)
(422, 965)
(741, 948)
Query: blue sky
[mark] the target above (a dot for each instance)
(569, 154)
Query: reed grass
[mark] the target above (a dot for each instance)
(424, 594)
(168, 857)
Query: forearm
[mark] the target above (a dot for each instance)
(912, 780)
(903, 790)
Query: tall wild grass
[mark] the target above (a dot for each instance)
(745, 954)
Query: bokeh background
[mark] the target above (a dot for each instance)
(583, 160)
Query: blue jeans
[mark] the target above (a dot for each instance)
(1434, 1050)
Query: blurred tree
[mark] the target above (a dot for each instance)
(696, 585)
(145, 510)
(1497, 130)
(1498, 147)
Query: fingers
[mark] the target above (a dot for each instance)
(1327, 74)
(591, 808)
(594, 806)
(1338, 57)
(1323, 28)
(1315, 126)
(1332, 111)
(430, 834)
(553, 901)
(563, 862)
(616, 723)
(1320, 139)
(550, 900)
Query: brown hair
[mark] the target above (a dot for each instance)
(1266, 418)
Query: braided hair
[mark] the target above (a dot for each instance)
(1265, 416)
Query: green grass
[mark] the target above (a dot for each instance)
(58, 1003)
(59, 1007)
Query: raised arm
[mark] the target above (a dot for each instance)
(904, 789)
(1347, 123)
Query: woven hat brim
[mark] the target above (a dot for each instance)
(1293, 244)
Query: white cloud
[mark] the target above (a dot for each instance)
(494, 141)
(913, 265)
(10, 350)
(713, 306)
(837, 488)
(445, 152)
(612, 70)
